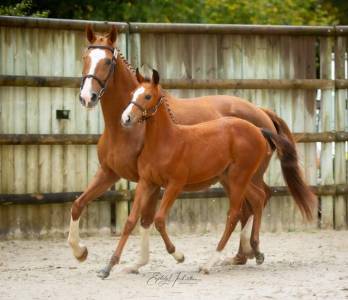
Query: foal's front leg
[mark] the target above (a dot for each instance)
(143, 190)
(148, 210)
(170, 194)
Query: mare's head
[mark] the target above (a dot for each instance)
(145, 101)
(99, 63)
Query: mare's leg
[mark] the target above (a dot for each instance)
(148, 210)
(100, 183)
(143, 191)
(167, 201)
(245, 248)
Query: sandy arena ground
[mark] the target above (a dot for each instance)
(297, 266)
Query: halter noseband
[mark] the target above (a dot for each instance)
(148, 113)
(102, 83)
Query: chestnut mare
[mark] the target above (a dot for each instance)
(119, 148)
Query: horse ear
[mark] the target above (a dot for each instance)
(90, 33)
(140, 77)
(112, 35)
(155, 77)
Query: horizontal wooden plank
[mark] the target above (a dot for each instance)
(50, 198)
(92, 139)
(324, 137)
(231, 29)
(274, 84)
(320, 190)
(40, 81)
(49, 139)
(49, 23)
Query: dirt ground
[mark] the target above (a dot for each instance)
(297, 266)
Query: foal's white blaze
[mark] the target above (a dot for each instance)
(126, 113)
(74, 238)
(245, 235)
(95, 55)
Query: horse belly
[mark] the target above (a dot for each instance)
(208, 164)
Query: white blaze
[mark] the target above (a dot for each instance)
(95, 55)
(125, 114)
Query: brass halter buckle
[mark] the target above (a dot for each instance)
(147, 113)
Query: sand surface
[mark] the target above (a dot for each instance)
(297, 266)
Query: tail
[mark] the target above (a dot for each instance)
(281, 127)
(302, 194)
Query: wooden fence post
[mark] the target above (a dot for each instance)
(340, 205)
(327, 123)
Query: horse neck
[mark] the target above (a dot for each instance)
(117, 95)
(161, 125)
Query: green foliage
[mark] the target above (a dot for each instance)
(287, 12)
(22, 8)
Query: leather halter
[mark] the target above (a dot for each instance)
(148, 113)
(102, 83)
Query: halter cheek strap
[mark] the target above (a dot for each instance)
(102, 83)
(148, 113)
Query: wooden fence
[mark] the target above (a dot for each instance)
(299, 72)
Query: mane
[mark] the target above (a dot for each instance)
(127, 63)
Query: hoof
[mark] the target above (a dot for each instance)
(84, 255)
(237, 260)
(103, 273)
(130, 270)
(260, 257)
(181, 259)
(204, 270)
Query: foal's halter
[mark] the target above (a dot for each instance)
(102, 83)
(148, 113)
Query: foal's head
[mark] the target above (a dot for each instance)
(145, 102)
(99, 62)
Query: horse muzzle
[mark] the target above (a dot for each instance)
(89, 102)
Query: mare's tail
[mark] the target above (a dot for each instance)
(285, 145)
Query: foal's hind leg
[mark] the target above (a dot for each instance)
(148, 210)
(237, 185)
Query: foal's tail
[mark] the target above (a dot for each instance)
(302, 194)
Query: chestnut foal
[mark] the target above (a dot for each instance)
(189, 157)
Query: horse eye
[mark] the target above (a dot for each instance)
(108, 61)
(147, 97)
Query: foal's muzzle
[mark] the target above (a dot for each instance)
(126, 121)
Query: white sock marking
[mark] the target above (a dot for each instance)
(74, 238)
(245, 235)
